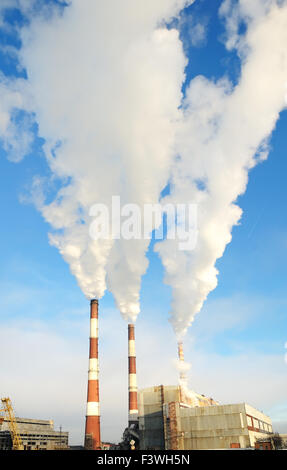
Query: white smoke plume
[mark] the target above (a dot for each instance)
(104, 82)
(182, 367)
(224, 132)
(16, 135)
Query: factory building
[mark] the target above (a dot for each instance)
(173, 418)
(36, 434)
(170, 417)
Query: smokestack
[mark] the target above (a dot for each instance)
(133, 390)
(92, 432)
(182, 375)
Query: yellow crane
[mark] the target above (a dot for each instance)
(13, 427)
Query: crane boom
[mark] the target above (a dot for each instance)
(13, 427)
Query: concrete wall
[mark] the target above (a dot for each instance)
(214, 427)
(151, 418)
(257, 423)
(165, 423)
(218, 427)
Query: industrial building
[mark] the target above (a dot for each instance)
(170, 418)
(35, 434)
(159, 418)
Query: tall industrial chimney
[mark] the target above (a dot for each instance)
(93, 432)
(133, 390)
(182, 375)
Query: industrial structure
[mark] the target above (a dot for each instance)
(182, 376)
(34, 434)
(130, 439)
(93, 425)
(176, 418)
(93, 430)
(170, 419)
(159, 418)
(133, 389)
(16, 441)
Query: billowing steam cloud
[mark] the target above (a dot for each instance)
(104, 81)
(223, 134)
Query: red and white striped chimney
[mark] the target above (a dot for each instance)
(133, 390)
(93, 432)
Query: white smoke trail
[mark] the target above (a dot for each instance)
(16, 135)
(223, 134)
(104, 82)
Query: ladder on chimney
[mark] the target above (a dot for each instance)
(13, 427)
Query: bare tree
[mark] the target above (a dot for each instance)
(274, 439)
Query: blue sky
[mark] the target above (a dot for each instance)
(243, 322)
